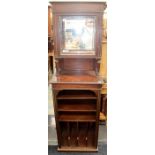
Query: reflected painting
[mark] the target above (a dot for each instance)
(78, 34)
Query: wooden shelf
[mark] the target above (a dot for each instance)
(77, 117)
(76, 97)
(75, 105)
(85, 107)
(76, 94)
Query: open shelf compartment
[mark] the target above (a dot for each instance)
(76, 94)
(77, 105)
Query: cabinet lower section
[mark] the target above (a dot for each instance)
(77, 118)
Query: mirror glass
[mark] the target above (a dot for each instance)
(78, 35)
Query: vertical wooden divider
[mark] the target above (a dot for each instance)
(68, 133)
(87, 130)
(77, 133)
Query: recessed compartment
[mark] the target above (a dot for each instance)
(77, 134)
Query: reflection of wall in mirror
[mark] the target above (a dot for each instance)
(79, 34)
(87, 38)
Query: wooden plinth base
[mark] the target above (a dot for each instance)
(77, 149)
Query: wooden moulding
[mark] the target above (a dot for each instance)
(75, 86)
(78, 7)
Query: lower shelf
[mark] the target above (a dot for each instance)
(72, 117)
(77, 136)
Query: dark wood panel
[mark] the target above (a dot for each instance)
(78, 64)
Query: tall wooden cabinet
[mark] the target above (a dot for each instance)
(76, 83)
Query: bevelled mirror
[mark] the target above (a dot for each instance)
(78, 35)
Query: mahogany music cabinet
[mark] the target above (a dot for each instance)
(76, 84)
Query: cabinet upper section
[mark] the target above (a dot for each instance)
(77, 28)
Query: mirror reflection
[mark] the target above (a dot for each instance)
(78, 33)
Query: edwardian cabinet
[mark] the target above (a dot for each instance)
(76, 83)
